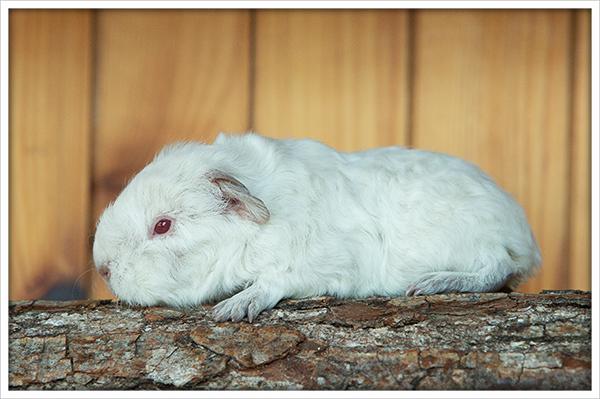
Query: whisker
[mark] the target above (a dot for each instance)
(93, 287)
(81, 276)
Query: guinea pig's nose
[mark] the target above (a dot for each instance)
(104, 272)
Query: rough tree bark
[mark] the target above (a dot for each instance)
(465, 341)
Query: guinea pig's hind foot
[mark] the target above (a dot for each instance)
(444, 282)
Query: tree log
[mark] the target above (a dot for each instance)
(457, 341)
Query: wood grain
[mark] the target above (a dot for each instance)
(579, 264)
(493, 87)
(336, 76)
(164, 75)
(94, 94)
(50, 78)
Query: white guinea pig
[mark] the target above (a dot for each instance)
(250, 220)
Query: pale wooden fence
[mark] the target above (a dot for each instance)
(94, 93)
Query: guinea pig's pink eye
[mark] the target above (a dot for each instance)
(162, 226)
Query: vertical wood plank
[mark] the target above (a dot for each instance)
(493, 87)
(339, 76)
(580, 212)
(164, 75)
(50, 78)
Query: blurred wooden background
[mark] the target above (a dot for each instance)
(95, 93)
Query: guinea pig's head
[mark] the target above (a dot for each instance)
(164, 234)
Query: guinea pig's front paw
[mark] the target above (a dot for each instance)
(250, 302)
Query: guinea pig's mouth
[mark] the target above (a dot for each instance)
(136, 292)
(133, 302)
(150, 299)
(136, 301)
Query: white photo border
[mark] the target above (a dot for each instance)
(6, 6)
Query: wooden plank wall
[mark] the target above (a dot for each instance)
(580, 146)
(337, 76)
(164, 76)
(500, 98)
(50, 126)
(95, 93)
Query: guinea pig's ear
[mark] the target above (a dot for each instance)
(238, 199)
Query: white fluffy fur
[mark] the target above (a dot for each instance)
(388, 221)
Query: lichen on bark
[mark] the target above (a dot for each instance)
(456, 341)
